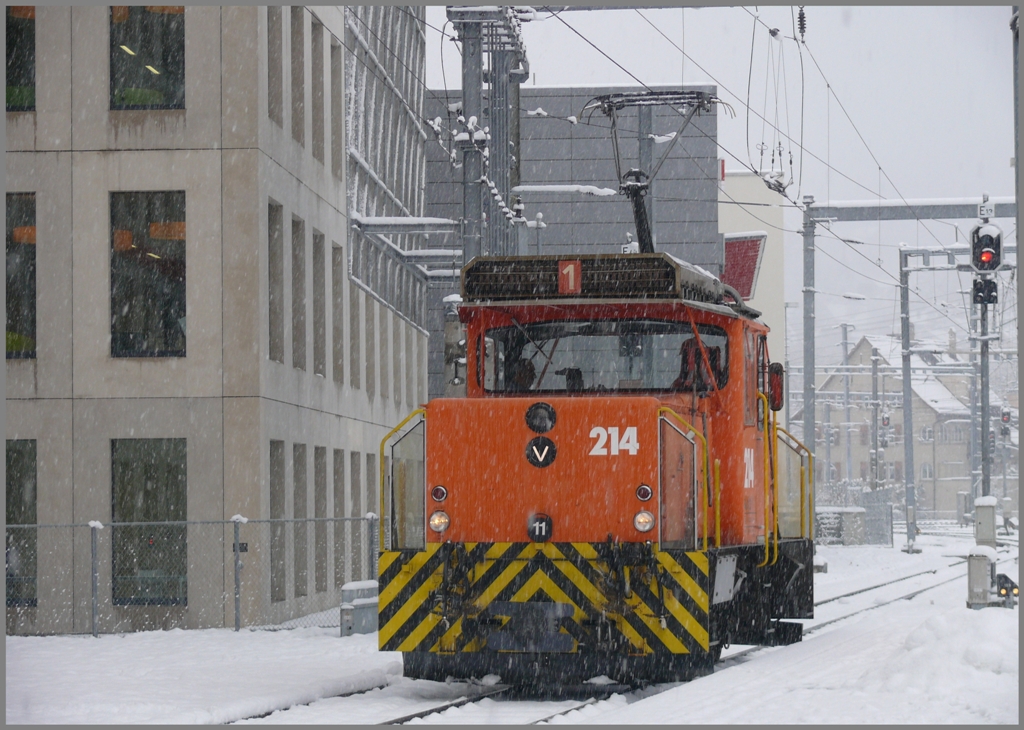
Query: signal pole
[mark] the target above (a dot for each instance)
(874, 418)
(986, 455)
(846, 401)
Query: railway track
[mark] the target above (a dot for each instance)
(532, 711)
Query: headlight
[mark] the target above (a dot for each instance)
(439, 521)
(439, 493)
(643, 521)
(644, 493)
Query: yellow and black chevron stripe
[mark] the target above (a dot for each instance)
(425, 595)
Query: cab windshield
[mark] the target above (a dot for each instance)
(602, 356)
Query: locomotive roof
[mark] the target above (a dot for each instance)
(621, 277)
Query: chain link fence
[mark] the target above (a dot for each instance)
(136, 576)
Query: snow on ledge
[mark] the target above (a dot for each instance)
(989, 501)
(585, 189)
(984, 550)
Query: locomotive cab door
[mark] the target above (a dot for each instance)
(679, 475)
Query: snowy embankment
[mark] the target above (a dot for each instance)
(185, 677)
(923, 661)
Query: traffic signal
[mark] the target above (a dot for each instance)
(1005, 416)
(885, 420)
(986, 247)
(991, 443)
(985, 292)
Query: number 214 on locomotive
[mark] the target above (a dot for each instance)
(612, 495)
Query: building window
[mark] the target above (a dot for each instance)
(147, 57)
(358, 528)
(298, 76)
(299, 505)
(339, 514)
(927, 433)
(338, 312)
(320, 513)
(337, 160)
(864, 435)
(278, 535)
(927, 470)
(275, 66)
(147, 274)
(316, 82)
(21, 58)
(275, 267)
(21, 510)
(298, 294)
(149, 485)
(21, 275)
(319, 305)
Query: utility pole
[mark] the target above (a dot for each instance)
(908, 408)
(472, 158)
(986, 455)
(827, 433)
(874, 418)
(809, 405)
(846, 402)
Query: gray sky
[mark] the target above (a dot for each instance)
(930, 90)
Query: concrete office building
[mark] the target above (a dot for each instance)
(184, 338)
(552, 150)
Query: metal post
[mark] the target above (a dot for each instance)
(826, 431)
(874, 419)
(472, 160)
(975, 449)
(372, 524)
(499, 155)
(846, 402)
(986, 455)
(1014, 23)
(908, 408)
(809, 406)
(238, 579)
(95, 579)
(645, 128)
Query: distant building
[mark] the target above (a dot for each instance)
(942, 427)
(184, 338)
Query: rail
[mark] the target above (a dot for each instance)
(418, 412)
(704, 481)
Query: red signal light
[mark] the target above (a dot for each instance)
(986, 256)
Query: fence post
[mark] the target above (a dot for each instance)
(236, 549)
(238, 579)
(371, 521)
(94, 528)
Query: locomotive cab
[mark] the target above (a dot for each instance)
(613, 494)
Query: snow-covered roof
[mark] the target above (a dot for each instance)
(925, 385)
(938, 396)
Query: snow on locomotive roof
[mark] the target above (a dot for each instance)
(596, 277)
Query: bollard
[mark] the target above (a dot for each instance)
(94, 528)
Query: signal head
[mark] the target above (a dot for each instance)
(986, 247)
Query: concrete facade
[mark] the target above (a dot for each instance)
(228, 397)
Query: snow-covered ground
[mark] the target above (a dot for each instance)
(924, 660)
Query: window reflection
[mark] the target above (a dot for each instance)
(21, 275)
(608, 355)
(21, 58)
(147, 274)
(147, 57)
(149, 485)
